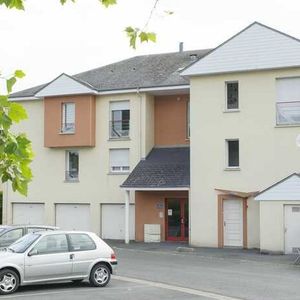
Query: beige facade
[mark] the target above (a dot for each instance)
(267, 152)
(96, 185)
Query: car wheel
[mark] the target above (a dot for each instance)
(9, 281)
(77, 281)
(100, 275)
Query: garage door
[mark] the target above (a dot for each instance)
(28, 213)
(73, 216)
(292, 228)
(113, 221)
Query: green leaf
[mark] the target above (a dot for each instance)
(10, 83)
(152, 37)
(18, 4)
(17, 112)
(147, 36)
(4, 101)
(143, 36)
(64, 1)
(132, 34)
(19, 74)
(107, 3)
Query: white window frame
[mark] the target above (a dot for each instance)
(119, 168)
(67, 128)
(119, 105)
(227, 167)
(226, 96)
(69, 178)
(288, 100)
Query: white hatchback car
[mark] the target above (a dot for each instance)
(52, 256)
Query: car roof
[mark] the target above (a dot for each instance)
(63, 232)
(27, 225)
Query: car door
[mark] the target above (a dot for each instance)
(83, 251)
(48, 259)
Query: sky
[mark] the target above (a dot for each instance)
(48, 39)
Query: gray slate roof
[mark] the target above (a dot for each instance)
(156, 70)
(163, 168)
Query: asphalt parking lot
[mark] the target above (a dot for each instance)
(155, 272)
(115, 290)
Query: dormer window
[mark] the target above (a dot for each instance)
(68, 117)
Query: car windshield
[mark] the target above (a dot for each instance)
(23, 243)
(2, 230)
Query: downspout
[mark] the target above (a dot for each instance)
(140, 117)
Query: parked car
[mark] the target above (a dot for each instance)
(48, 256)
(10, 233)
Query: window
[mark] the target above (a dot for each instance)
(22, 244)
(288, 101)
(52, 244)
(11, 236)
(119, 119)
(68, 118)
(188, 130)
(72, 165)
(232, 95)
(81, 242)
(233, 153)
(119, 160)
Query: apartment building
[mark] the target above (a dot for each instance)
(91, 130)
(245, 117)
(182, 146)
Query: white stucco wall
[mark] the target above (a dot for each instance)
(272, 233)
(267, 153)
(95, 184)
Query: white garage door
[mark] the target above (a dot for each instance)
(73, 216)
(292, 228)
(28, 213)
(113, 221)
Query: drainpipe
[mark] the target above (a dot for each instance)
(127, 203)
(140, 116)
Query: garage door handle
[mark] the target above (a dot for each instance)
(72, 256)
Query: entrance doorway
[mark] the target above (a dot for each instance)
(177, 219)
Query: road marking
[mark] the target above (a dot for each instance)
(25, 294)
(176, 288)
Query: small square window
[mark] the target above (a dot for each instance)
(232, 95)
(72, 165)
(233, 159)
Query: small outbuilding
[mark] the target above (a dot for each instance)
(280, 216)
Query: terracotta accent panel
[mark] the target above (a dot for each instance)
(150, 209)
(85, 117)
(170, 114)
(221, 199)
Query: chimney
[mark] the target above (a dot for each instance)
(181, 47)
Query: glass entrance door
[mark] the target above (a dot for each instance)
(177, 217)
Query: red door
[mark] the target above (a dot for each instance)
(177, 220)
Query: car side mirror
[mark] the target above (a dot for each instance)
(32, 252)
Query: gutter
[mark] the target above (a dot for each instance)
(113, 92)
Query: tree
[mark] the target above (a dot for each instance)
(15, 149)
